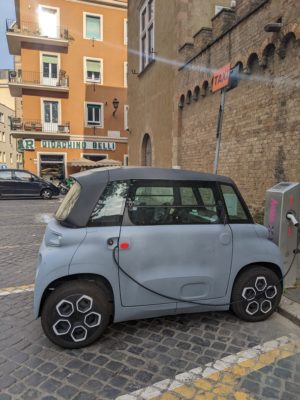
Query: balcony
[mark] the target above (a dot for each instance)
(19, 80)
(37, 129)
(32, 32)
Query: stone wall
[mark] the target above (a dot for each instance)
(261, 128)
(151, 91)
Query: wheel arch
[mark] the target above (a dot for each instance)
(98, 279)
(273, 267)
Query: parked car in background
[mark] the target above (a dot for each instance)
(20, 183)
(129, 243)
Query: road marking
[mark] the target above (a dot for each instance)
(218, 379)
(16, 289)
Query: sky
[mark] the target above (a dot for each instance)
(7, 11)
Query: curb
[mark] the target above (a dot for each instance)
(290, 310)
(208, 379)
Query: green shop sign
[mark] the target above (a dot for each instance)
(26, 144)
(77, 145)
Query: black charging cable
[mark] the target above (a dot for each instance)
(296, 251)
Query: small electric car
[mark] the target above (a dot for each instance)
(129, 243)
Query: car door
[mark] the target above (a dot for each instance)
(26, 184)
(6, 183)
(174, 243)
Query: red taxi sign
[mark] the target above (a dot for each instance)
(220, 78)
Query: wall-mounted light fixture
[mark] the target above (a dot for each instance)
(115, 104)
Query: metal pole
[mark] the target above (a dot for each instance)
(219, 130)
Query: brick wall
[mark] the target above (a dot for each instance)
(261, 128)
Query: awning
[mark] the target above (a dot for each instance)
(108, 163)
(82, 162)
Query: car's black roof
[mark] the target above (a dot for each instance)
(94, 181)
(120, 173)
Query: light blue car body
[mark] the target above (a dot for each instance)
(192, 263)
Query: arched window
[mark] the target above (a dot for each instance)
(253, 66)
(146, 151)
(189, 97)
(288, 40)
(196, 93)
(205, 88)
(181, 101)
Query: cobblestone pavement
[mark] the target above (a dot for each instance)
(130, 355)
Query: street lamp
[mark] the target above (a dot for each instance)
(115, 104)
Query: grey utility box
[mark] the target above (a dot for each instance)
(281, 199)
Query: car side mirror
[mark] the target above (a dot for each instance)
(31, 179)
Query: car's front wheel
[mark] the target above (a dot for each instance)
(76, 313)
(256, 293)
(46, 194)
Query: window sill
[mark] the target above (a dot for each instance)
(94, 82)
(94, 126)
(94, 39)
(146, 68)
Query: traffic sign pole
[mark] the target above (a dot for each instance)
(219, 130)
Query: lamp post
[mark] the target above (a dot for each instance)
(115, 104)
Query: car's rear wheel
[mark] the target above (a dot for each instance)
(76, 314)
(256, 294)
(46, 194)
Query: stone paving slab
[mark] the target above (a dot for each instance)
(129, 356)
(22, 226)
(293, 294)
(290, 309)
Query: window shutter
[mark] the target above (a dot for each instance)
(93, 66)
(47, 58)
(92, 27)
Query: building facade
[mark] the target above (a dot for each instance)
(261, 126)
(260, 138)
(72, 79)
(9, 157)
(157, 29)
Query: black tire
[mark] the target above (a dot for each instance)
(63, 191)
(251, 300)
(90, 322)
(46, 194)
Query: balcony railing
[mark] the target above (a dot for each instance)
(31, 78)
(30, 28)
(35, 126)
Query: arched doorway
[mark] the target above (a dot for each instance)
(147, 151)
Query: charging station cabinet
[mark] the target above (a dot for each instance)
(282, 199)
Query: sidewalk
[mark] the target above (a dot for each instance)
(290, 305)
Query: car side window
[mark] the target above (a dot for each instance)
(22, 176)
(151, 203)
(5, 175)
(110, 207)
(198, 204)
(172, 202)
(235, 209)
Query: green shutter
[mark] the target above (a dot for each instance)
(92, 27)
(93, 106)
(47, 58)
(93, 66)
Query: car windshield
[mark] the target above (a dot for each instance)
(68, 203)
